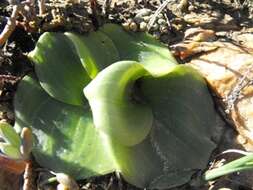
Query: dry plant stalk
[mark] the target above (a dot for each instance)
(27, 10)
(42, 7)
(10, 26)
(28, 177)
(158, 11)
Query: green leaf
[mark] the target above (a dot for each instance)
(240, 164)
(65, 63)
(113, 111)
(153, 119)
(59, 69)
(10, 150)
(183, 117)
(96, 51)
(65, 138)
(141, 47)
(8, 133)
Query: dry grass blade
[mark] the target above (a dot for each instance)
(158, 11)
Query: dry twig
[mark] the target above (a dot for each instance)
(42, 7)
(10, 26)
(158, 11)
(26, 9)
(237, 90)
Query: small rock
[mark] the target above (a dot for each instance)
(133, 26)
(161, 21)
(126, 26)
(146, 18)
(143, 26)
(191, 8)
(164, 29)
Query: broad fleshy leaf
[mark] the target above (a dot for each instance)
(151, 120)
(59, 69)
(65, 138)
(141, 47)
(114, 112)
(96, 51)
(183, 116)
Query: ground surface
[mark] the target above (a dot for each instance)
(226, 18)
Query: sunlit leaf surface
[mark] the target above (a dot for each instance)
(142, 114)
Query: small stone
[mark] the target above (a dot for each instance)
(129, 20)
(161, 21)
(133, 26)
(160, 15)
(143, 26)
(146, 18)
(164, 29)
(126, 26)
(191, 8)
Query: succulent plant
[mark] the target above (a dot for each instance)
(116, 101)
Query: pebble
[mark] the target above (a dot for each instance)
(143, 26)
(133, 26)
(160, 15)
(146, 18)
(161, 21)
(164, 29)
(126, 26)
(191, 8)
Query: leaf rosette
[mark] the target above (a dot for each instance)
(116, 101)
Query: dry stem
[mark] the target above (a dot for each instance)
(10, 26)
(42, 7)
(157, 12)
(23, 8)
